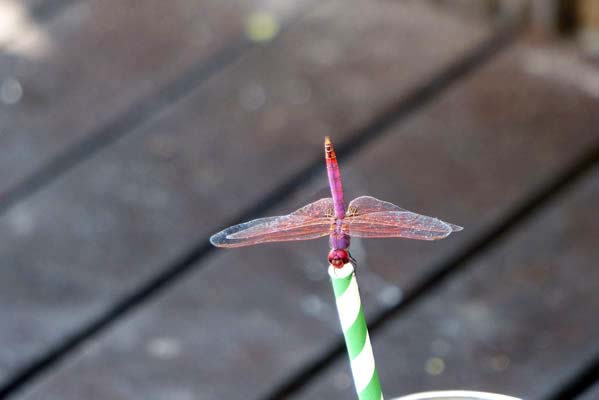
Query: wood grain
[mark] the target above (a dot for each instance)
(108, 226)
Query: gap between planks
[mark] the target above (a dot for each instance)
(50, 9)
(581, 381)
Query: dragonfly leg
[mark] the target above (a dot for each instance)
(352, 260)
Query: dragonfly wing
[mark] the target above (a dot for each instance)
(368, 204)
(404, 224)
(309, 222)
(317, 209)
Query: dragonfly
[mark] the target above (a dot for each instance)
(365, 217)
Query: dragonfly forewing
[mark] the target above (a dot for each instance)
(309, 222)
(369, 217)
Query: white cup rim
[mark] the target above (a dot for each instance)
(466, 394)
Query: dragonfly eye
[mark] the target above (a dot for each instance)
(352, 211)
(338, 258)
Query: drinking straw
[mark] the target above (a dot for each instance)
(355, 332)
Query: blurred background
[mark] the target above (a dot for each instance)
(130, 131)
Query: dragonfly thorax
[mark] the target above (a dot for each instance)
(337, 238)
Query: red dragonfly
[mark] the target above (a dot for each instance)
(365, 217)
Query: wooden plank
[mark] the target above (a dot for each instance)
(94, 63)
(261, 313)
(520, 320)
(131, 210)
(491, 9)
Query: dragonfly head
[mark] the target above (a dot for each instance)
(338, 258)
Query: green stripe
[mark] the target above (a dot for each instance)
(340, 285)
(373, 390)
(355, 337)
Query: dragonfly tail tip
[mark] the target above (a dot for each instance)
(456, 228)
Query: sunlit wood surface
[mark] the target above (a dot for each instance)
(133, 130)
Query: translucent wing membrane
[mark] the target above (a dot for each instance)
(368, 204)
(309, 222)
(373, 218)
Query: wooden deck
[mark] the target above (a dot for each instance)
(131, 131)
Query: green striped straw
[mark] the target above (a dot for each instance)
(355, 332)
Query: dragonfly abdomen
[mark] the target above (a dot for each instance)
(334, 179)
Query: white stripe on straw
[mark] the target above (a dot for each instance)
(349, 305)
(362, 366)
